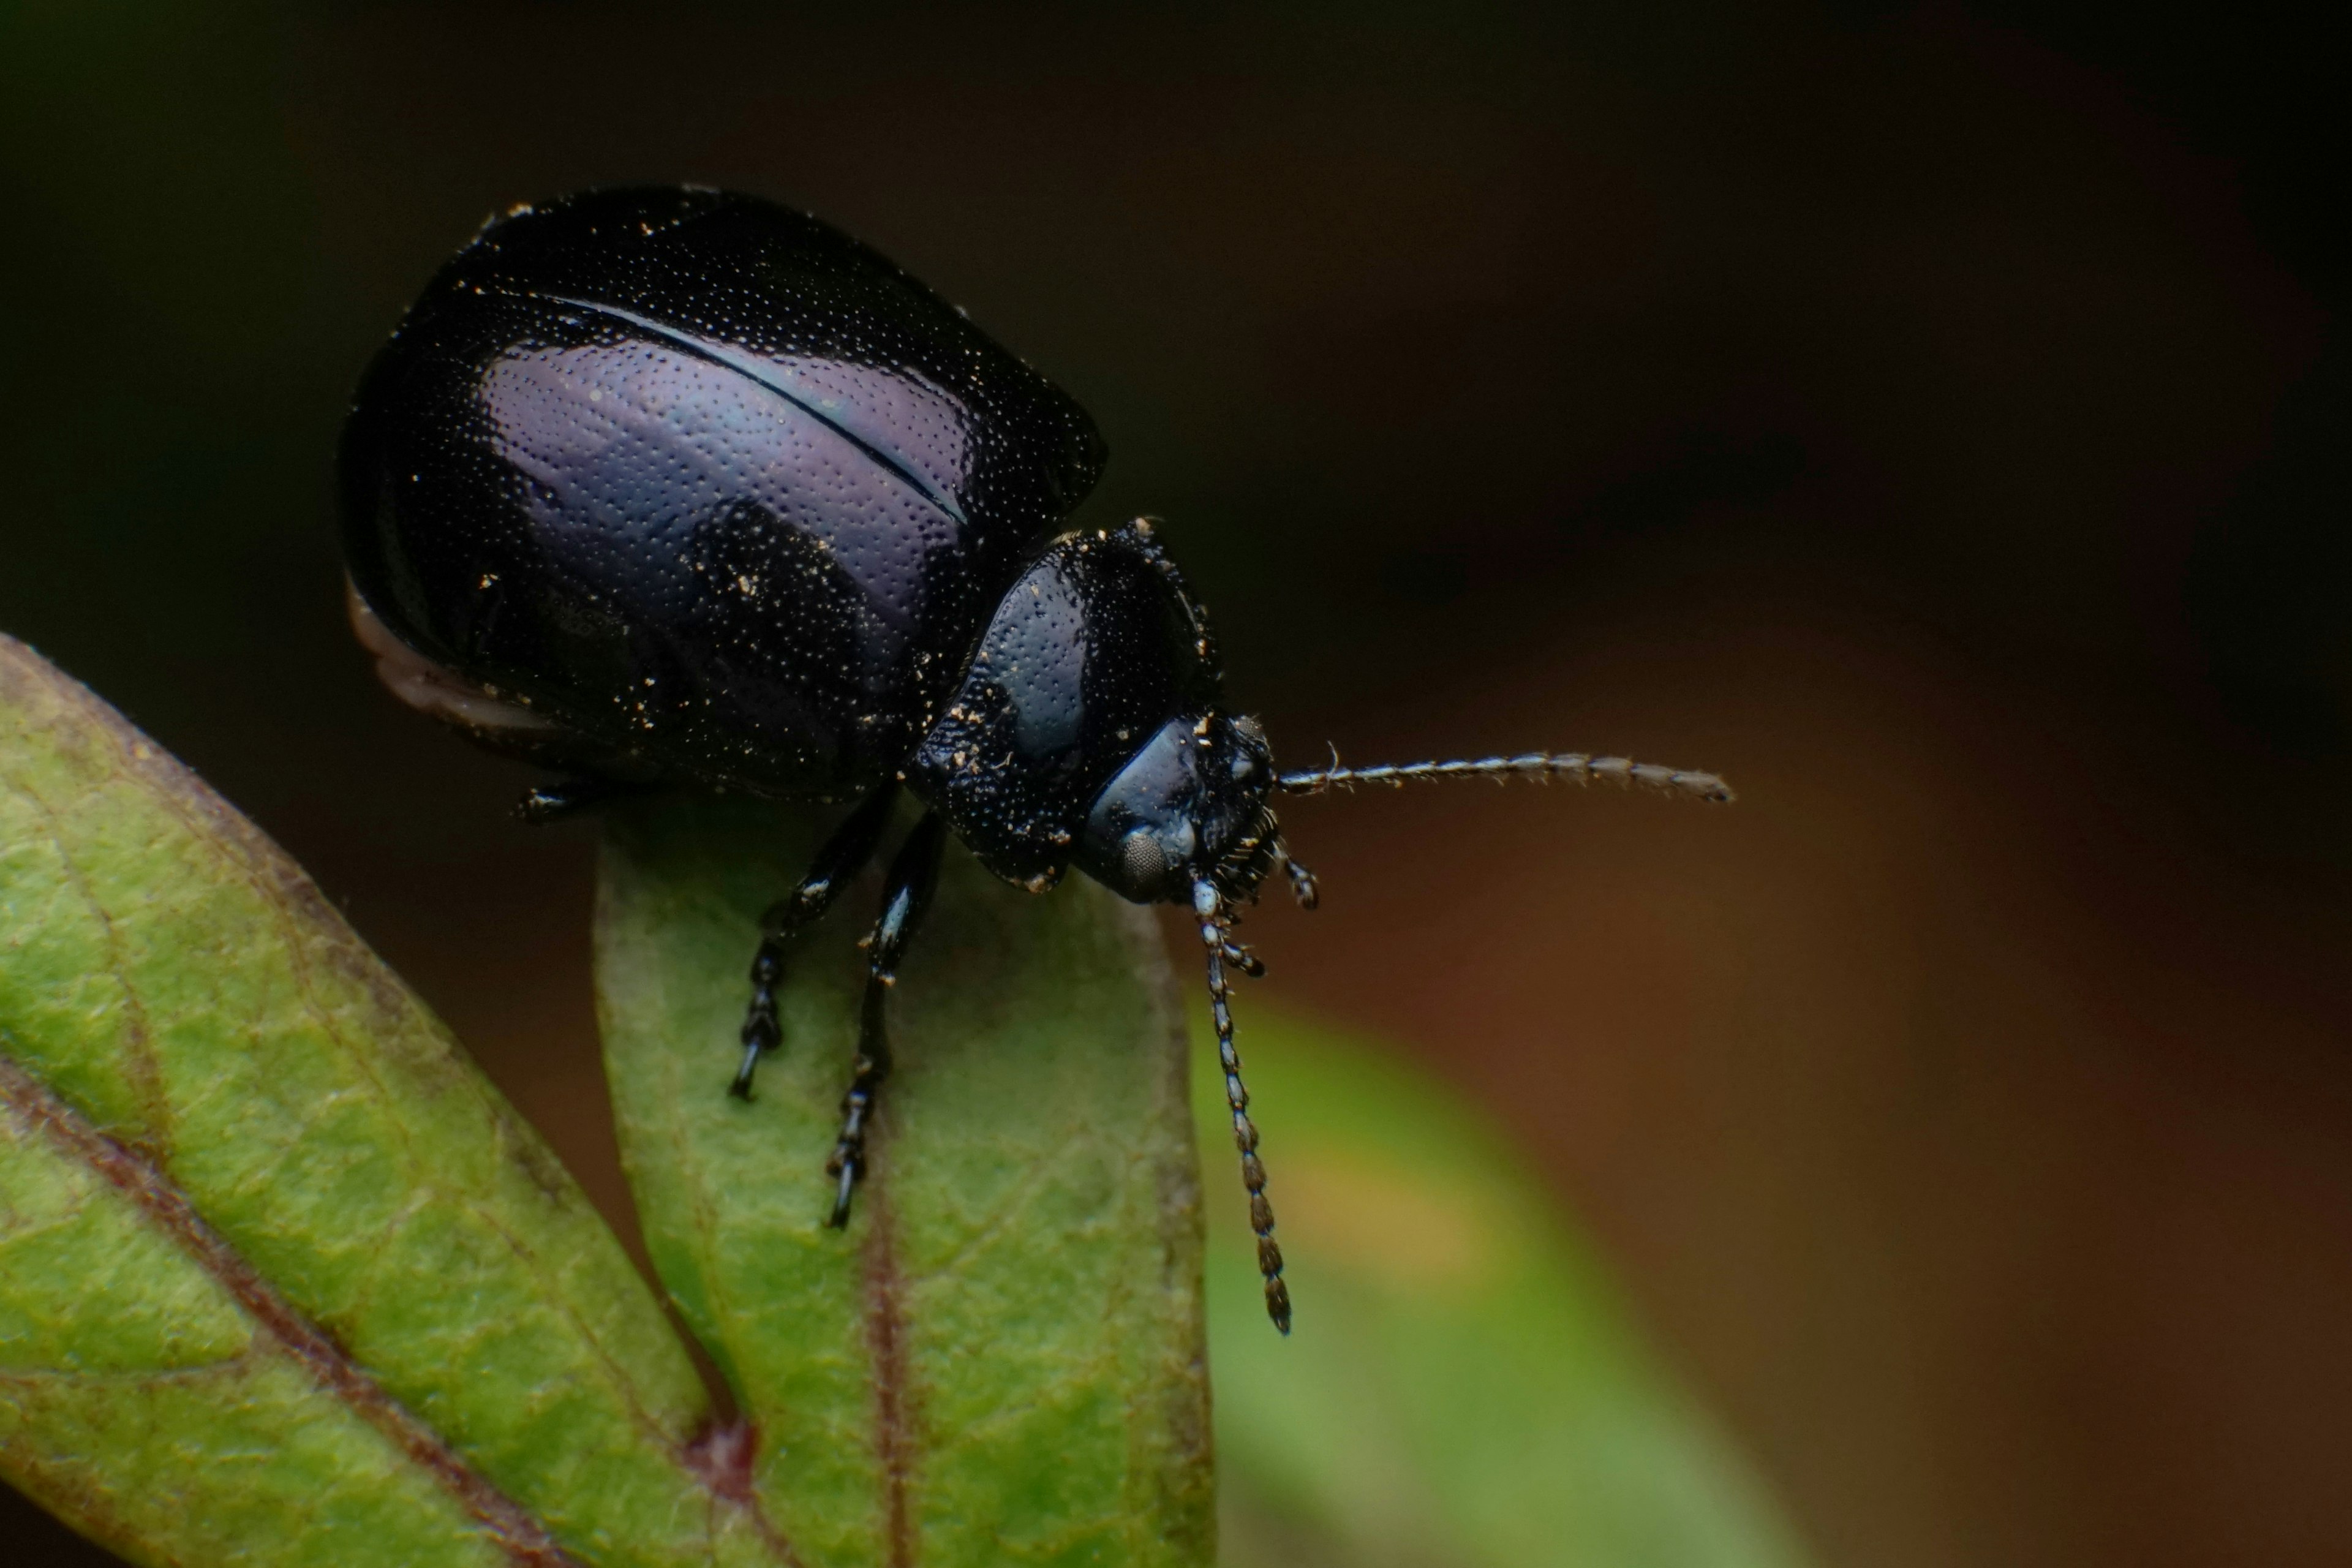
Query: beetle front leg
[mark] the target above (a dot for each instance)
(914, 873)
(837, 864)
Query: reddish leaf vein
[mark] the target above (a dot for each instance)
(522, 1537)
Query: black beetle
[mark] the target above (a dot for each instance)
(674, 484)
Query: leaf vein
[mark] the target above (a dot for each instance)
(522, 1537)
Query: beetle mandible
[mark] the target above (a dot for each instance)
(673, 484)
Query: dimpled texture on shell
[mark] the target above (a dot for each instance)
(1088, 655)
(711, 484)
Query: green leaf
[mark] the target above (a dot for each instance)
(282, 1278)
(1001, 1359)
(1466, 1388)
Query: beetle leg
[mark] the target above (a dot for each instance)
(1302, 880)
(1242, 959)
(1237, 955)
(1208, 908)
(914, 873)
(543, 804)
(837, 864)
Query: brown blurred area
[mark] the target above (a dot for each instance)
(1933, 418)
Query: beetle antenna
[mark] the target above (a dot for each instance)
(1209, 908)
(1543, 766)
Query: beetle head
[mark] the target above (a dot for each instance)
(1192, 804)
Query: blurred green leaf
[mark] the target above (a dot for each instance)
(282, 1278)
(1464, 1389)
(1001, 1360)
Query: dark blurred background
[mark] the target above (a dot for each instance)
(1930, 417)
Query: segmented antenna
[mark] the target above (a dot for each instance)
(1216, 940)
(1543, 766)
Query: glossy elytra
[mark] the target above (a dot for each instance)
(673, 485)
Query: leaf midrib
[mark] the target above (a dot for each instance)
(516, 1532)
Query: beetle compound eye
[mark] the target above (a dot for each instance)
(1141, 859)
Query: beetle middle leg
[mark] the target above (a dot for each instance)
(914, 873)
(837, 864)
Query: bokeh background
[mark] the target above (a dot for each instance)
(1931, 416)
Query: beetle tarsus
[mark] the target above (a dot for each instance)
(741, 1088)
(837, 864)
(914, 874)
(847, 1162)
(839, 1218)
